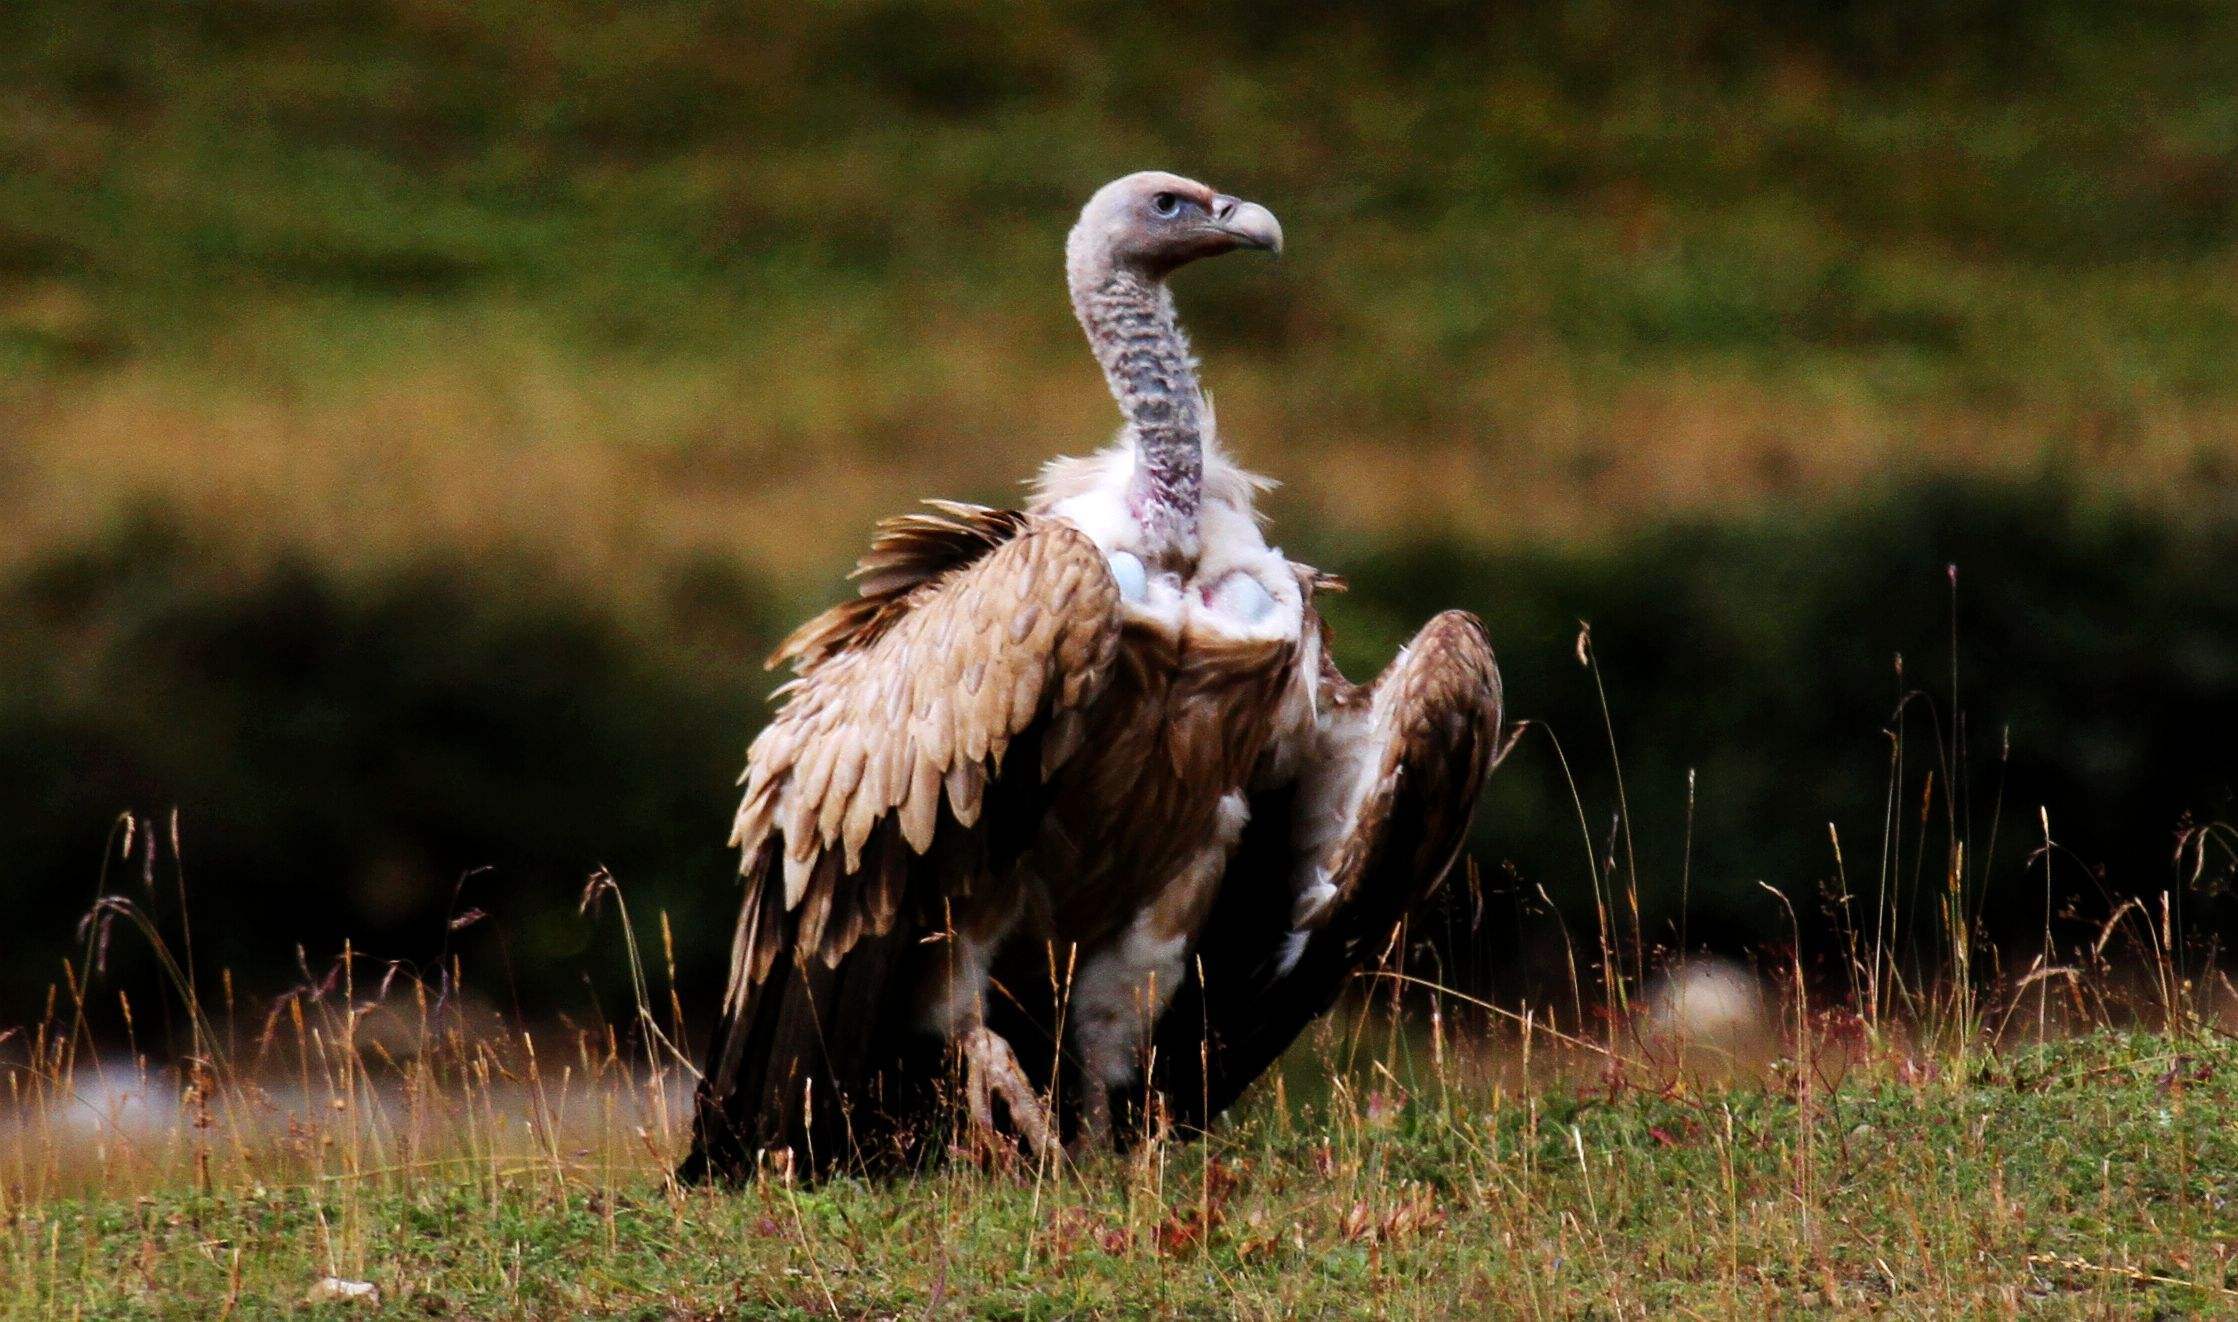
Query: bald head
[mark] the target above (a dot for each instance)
(1131, 235)
(1152, 222)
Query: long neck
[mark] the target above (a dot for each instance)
(1130, 324)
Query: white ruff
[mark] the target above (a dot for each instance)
(1238, 588)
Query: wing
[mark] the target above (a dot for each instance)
(883, 804)
(1333, 859)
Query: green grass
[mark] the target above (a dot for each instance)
(689, 267)
(1895, 189)
(2086, 1178)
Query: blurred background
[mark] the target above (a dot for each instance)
(418, 418)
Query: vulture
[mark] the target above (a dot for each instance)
(1069, 805)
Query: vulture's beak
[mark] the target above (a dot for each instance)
(1248, 223)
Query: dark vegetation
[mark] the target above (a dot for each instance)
(1966, 663)
(372, 758)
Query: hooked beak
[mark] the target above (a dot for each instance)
(1248, 223)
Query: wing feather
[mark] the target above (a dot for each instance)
(989, 626)
(876, 810)
(1431, 727)
(1369, 826)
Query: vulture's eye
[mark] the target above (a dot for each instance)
(1166, 204)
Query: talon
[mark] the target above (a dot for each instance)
(990, 1070)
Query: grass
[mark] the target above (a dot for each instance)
(1939, 1127)
(2056, 1140)
(366, 276)
(2089, 1177)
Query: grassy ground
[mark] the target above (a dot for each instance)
(2089, 1178)
(374, 275)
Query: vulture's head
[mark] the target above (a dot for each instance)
(1153, 222)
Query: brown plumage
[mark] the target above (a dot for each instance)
(1079, 779)
(973, 628)
(1378, 815)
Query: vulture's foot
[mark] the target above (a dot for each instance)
(990, 1070)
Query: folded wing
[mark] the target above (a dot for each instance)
(883, 806)
(1368, 828)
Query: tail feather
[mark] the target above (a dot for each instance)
(816, 1063)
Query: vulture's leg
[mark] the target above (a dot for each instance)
(957, 1007)
(990, 1070)
(1107, 1036)
(1095, 1121)
(1125, 987)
